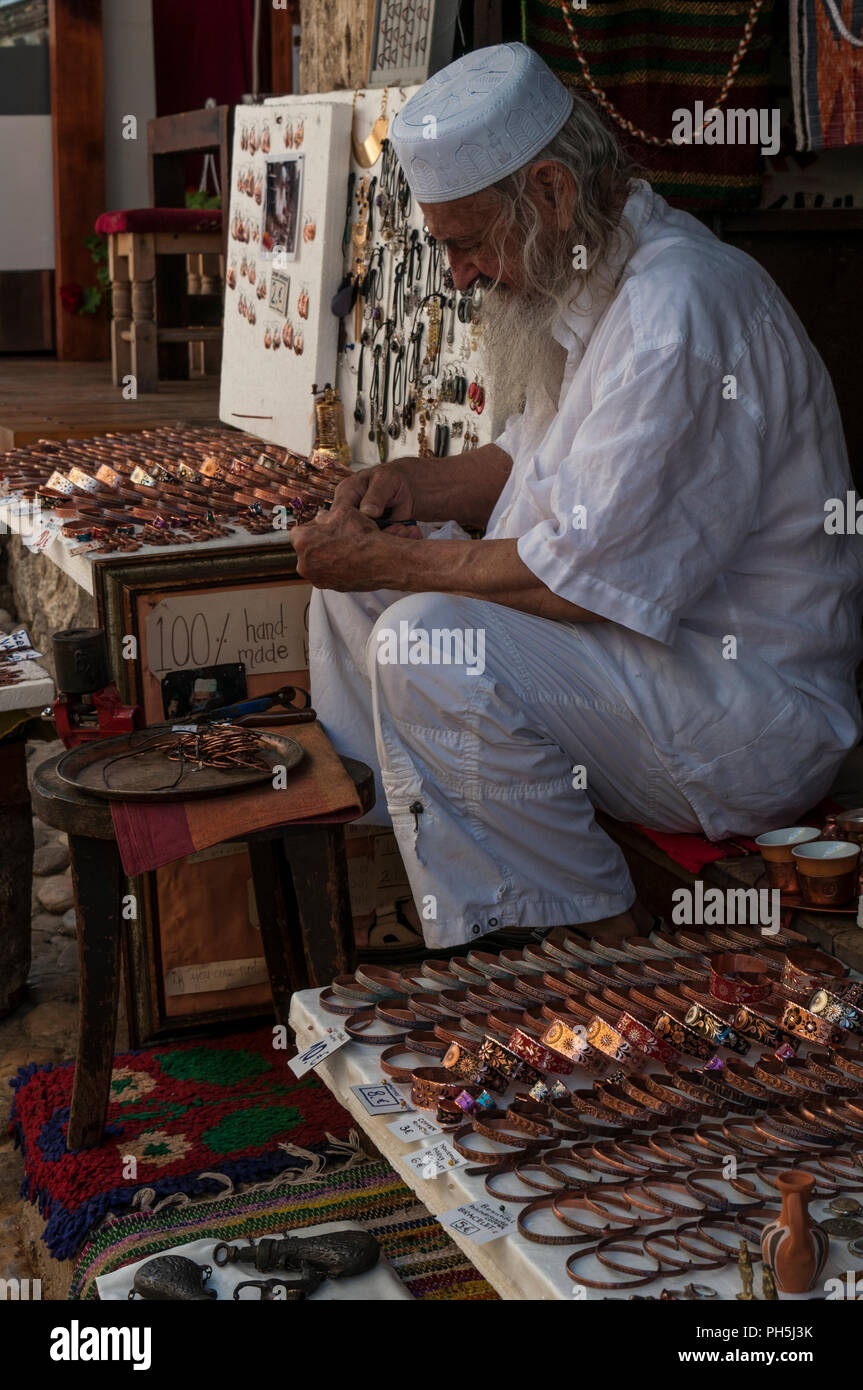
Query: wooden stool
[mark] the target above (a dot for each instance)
(300, 878)
(137, 237)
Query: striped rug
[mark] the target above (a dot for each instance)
(417, 1247)
(652, 57)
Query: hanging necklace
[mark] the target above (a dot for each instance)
(368, 151)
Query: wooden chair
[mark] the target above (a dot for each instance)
(137, 238)
(300, 878)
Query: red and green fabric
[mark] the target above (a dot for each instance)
(653, 57)
(180, 1110)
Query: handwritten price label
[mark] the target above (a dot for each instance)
(315, 1054)
(381, 1100)
(440, 1158)
(479, 1221)
(417, 1128)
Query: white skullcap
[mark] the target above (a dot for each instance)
(478, 120)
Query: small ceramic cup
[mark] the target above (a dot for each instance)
(776, 851)
(827, 870)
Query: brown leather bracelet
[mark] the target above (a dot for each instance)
(500, 1128)
(426, 1042)
(715, 1200)
(563, 1203)
(357, 1028)
(669, 1237)
(429, 1084)
(544, 1204)
(397, 1018)
(531, 1116)
(388, 1067)
(636, 1283)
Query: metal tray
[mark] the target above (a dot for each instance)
(144, 778)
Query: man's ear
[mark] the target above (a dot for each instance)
(554, 188)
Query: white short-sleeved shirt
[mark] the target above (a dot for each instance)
(679, 491)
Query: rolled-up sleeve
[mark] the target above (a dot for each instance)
(655, 495)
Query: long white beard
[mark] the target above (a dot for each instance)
(520, 357)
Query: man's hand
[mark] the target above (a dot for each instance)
(344, 550)
(376, 490)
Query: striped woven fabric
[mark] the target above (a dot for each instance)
(827, 72)
(417, 1247)
(653, 57)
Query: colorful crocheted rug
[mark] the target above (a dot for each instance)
(654, 57)
(417, 1247)
(182, 1112)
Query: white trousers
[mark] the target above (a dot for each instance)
(480, 770)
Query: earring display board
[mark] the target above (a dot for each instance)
(284, 257)
(410, 367)
(410, 39)
(409, 364)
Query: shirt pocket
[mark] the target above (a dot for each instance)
(407, 816)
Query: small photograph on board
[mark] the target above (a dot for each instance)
(203, 688)
(280, 229)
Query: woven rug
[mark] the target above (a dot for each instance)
(429, 1264)
(827, 72)
(652, 57)
(183, 1112)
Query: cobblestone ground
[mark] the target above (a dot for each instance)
(44, 1028)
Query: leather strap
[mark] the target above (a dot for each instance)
(357, 1027)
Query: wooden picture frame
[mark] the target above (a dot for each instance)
(125, 589)
(409, 40)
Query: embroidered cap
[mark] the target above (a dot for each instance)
(478, 120)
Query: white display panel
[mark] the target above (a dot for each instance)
(288, 172)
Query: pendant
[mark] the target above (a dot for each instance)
(368, 151)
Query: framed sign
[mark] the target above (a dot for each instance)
(193, 955)
(410, 40)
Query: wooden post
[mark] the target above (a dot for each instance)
(78, 132)
(282, 23)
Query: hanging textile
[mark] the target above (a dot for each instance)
(827, 72)
(650, 58)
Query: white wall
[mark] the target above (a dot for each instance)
(130, 90)
(27, 201)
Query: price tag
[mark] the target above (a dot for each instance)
(440, 1158)
(479, 1221)
(417, 1128)
(36, 541)
(22, 654)
(15, 639)
(381, 1100)
(185, 729)
(314, 1055)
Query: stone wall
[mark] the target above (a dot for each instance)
(334, 46)
(44, 597)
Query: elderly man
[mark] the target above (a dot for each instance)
(667, 630)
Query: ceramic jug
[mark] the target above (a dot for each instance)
(793, 1247)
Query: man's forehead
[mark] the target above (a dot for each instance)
(462, 217)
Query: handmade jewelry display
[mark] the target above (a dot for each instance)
(648, 1169)
(410, 357)
(172, 487)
